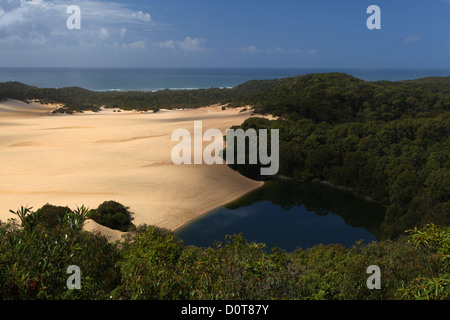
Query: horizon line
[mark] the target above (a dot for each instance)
(268, 68)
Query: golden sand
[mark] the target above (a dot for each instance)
(89, 158)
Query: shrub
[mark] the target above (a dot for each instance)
(50, 216)
(235, 269)
(154, 264)
(112, 215)
(399, 262)
(33, 261)
(435, 242)
(148, 265)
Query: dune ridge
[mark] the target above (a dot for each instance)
(85, 159)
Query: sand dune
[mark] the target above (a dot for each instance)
(15, 108)
(112, 235)
(86, 159)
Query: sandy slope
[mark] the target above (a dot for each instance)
(112, 235)
(89, 158)
(15, 108)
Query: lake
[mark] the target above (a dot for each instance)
(288, 215)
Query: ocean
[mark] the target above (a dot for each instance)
(154, 79)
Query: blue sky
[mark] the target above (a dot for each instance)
(211, 33)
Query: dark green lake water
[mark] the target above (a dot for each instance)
(288, 215)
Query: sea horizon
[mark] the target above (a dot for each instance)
(187, 78)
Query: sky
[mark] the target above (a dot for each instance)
(232, 33)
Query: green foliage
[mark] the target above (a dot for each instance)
(149, 263)
(159, 267)
(112, 215)
(428, 289)
(393, 162)
(235, 269)
(330, 97)
(434, 239)
(152, 263)
(399, 263)
(78, 100)
(435, 242)
(385, 140)
(51, 216)
(339, 98)
(71, 109)
(34, 260)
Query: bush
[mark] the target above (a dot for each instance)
(399, 262)
(113, 215)
(34, 261)
(435, 242)
(149, 265)
(50, 216)
(235, 269)
(152, 263)
(155, 265)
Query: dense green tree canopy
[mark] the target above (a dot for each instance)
(331, 97)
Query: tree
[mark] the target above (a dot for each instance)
(113, 215)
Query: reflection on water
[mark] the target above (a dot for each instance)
(288, 215)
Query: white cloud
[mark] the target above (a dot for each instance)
(191, 44)
(142, 16)
(169, 44)
(188, 44)
(35, 23)
(135, 45)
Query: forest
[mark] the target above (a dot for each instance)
(77, 100)
(385, 140)
(329, 97)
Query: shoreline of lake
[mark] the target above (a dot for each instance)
(286, 213)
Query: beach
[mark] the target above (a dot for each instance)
(86, 159)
